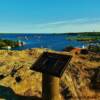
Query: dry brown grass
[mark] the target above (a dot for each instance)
(30, 84)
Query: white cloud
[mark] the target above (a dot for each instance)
(74, 21)
(75, 25)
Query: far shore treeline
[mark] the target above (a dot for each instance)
(85, 36)
(69, 33)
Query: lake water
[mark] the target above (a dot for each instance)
(51, 41)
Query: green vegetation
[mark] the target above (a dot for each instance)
(94, 48)
(90, 34)
(86, 37)
(68, 48)
(4, 43)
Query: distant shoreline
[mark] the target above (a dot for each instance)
(52, 33)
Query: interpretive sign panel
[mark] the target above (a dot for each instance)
(52, 63)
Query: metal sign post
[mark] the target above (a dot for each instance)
(50, 87)
(52, 65)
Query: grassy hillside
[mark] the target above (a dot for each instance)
(17, 81)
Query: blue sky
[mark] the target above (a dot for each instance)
(49, 16)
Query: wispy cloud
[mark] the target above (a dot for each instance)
(74, 21)
(74, 25)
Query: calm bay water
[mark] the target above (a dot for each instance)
(51, 41)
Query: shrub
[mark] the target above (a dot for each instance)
(68, 48)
